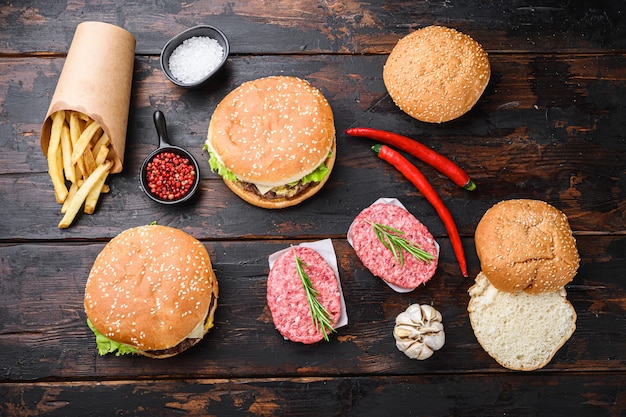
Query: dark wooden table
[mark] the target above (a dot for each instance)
(550, 126)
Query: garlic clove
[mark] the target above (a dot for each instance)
(419, 351)
(403, 318)
(404, 344)
(430, 314)
(435, 342)
(415, 314)
(406, 332)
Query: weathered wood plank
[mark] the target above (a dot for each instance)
(43, 335)
(309, 26)
(543, 129)
(592, 394)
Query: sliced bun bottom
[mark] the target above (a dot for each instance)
(520, 331)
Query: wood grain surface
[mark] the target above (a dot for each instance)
(550, 126)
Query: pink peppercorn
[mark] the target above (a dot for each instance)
(170, 176)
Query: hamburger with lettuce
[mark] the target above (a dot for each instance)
(151, 291)
(272, 140)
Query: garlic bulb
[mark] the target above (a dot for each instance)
(419, 331)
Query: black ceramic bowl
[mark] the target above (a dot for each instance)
(164, 146)
(176, 41)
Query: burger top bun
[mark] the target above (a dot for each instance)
(151, 287)
(526, 245)
(272, 131)
(436, 74)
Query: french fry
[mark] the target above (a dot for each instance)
(84, 140)
(66, 147)
(90, 162)
(77, 153)
(78, 173)
(55, 131)
(82, 193)
(55, 157)
(94, 194)
(84, 172)
(70, 196)
(83, 116)
(102, 155)
(103, 141)
(75, 127)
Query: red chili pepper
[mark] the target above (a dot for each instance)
(418, 179)
(420, 151)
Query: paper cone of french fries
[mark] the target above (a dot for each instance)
(96, 80)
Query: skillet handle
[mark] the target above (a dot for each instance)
(161, 128)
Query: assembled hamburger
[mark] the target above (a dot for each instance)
(272, 140)
(151, 291)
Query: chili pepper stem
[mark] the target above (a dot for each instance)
(470, 185)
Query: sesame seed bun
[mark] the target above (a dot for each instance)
(526, 245)
(436, 74)
(152, 288)
(270, 132)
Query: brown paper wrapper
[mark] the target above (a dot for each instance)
(96, 80)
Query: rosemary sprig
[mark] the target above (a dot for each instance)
(392, 239)
(319, 313)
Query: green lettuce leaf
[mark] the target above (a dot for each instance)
(106, 345)
(218, 167)
(317, 175)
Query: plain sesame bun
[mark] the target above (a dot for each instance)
(526, 245)
(436, 74)
(152, 288)
(270, 133)
(520, 331)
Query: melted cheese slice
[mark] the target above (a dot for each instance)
(262, 189)
(198, 332)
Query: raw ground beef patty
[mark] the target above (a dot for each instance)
(287, 300)
(380, 260)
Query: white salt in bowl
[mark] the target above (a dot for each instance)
(193, 57)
